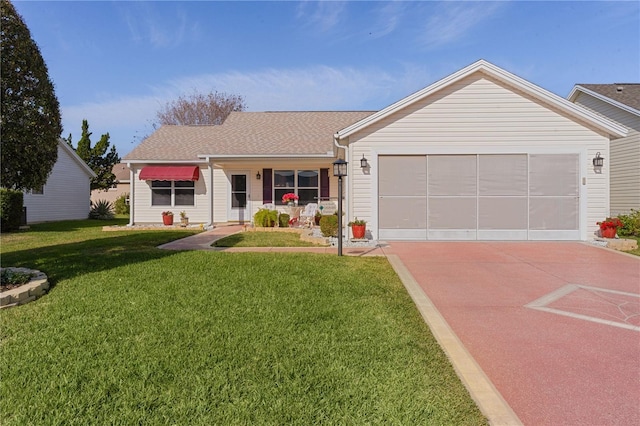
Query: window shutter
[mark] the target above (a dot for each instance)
(324, 183)
(267, 186)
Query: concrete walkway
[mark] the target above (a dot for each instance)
(203, 241)
(540, 333)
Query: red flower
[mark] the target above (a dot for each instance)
(289, 197)
(610, 223)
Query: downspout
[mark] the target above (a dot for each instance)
(346, 187)
(132, 204)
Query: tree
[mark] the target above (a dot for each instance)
(198, 108)
(30, 119)
(97, 158)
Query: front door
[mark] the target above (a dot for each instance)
(239, 197)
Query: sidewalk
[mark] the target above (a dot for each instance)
(203, 241)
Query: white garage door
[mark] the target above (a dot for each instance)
(479, 197)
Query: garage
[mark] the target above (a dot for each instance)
(526, 196)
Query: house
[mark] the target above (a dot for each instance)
(120, 187)
(481, 154)
(66, 195)
(620, 103)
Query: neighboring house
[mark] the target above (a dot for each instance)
(66, 195)
(121, 185)
(481, 154)
(620, 103)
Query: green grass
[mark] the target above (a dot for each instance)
(263, 239)
(131, 334)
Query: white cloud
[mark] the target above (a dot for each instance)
(322, 15)
(454, 20)
(146, 25)
(318, 88)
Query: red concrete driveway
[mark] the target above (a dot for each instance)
(555, 326)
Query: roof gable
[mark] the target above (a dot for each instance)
(625, 96)
(511, 80)
(62, 144)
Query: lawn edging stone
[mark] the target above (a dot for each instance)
(621, 244)
(37, 286)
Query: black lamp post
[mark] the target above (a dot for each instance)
(340, 170)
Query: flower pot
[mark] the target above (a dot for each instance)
(167, 220)
(608, 232)
(184, 221)
(358, 231)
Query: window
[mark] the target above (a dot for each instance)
(172, 193)
(303, 183)
(38, 191)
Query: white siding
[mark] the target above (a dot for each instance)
(477, 115)
(624, 160)
(146, 213)
(66, 193)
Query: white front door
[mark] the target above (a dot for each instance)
(239, 196)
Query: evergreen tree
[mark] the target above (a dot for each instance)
(97, 158)
(30, 120)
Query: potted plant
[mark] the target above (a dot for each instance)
(184, 220)
(167, 218)
(358, 228)
(317, 217)
(609, 227)
(289, 198)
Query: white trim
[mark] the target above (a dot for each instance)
(248, 208)
(207, 157)
(577, 88)
(554, 100)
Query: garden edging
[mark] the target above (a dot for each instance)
(36, 287)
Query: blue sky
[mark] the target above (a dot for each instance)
(117, 63)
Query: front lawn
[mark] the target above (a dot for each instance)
(263, 239)
(131, 334)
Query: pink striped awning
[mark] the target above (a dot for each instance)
(170, 173)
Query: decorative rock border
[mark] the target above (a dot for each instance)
(36, 287)
(621, 244)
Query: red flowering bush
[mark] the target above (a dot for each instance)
(289, 197)
(610, 222)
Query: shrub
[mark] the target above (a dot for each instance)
(630, 224)
(120, 205)
(329, 225)
(266, 218)
(283, 220)
(10, 209)
(9, 277)
(101, 210)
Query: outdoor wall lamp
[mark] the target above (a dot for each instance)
(363, 162)
(340, 170)
(258, 176)
(598, 161)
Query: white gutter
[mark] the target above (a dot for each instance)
(260, 157)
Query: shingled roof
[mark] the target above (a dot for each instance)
(249, 133)
(625, 93)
